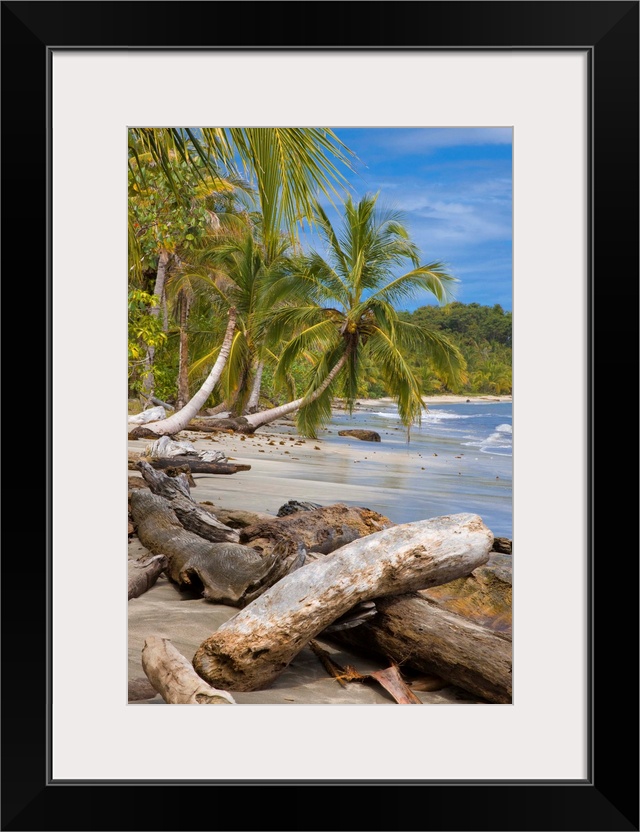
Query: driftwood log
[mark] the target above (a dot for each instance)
(144, 573)
(196, 466)
(321, 531)
(413, 629)
(193, 517)
(484, 596)
(228, 573)
(250, 650)
(174, 678)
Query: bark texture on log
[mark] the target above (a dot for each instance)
(414, 630)
(196, 466)
(206, 427)
(484, 596)
(228, 572)
(174, 678)
(144, 573)
(321, 531)
(255, 646)
(193, 517)
(237, 518)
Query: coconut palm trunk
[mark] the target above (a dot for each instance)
(254, 397)
(179, 420)
(158, 289)
(265, 417)
(183, 358)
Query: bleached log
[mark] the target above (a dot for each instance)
(250, 650)
(174, 678)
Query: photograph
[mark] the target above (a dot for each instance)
(319, 415)
(357, 278)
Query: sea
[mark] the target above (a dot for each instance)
(459, 459)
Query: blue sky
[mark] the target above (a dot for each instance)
(455, 187)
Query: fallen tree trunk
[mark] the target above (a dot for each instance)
(193, 517)
(173, 677)
(321, 531)
(228, 573)
(210, 426)
(250, 650)
(414, 630)
(144, 573)
(196, 466)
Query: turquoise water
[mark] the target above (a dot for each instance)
(458, 460)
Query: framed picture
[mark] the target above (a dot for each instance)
(564, 77)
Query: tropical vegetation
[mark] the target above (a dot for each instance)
(226, 307)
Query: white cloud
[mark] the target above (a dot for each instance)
(424, 140)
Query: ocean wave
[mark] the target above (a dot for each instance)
(504, 429)
(498, 442)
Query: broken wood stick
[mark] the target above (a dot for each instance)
(415, 630)
(227, 572)
(193, 517)
(250, 650)
(390, 678)
(173, 677)
(144, 573)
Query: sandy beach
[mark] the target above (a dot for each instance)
(331, 469)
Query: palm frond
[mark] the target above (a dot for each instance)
(398, 376)
(319, 337)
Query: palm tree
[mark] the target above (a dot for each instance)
(289, 167)
(350, 310)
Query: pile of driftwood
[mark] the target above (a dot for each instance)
(432, 595)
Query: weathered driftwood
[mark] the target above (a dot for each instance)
(292, 506)
(193, 517)
(250, 650)
(196, 466)
(238, 518)
(364, 435)
(173, 677)
(414, 630)
(503, 545)
(321, 531)
(484, 596)
(208, 426)
(227, 572)
(144, 573)
(161, 403)
(140, 688)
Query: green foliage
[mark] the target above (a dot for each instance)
(145, 330)
(344, 308)
(483, 336)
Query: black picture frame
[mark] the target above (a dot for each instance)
(608, 798)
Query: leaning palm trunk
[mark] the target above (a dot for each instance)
(257, 420)
(158, 289)
(179, 420)
(183, 359)
(254, 398)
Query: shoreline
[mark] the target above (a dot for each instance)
(428, 477)
(444, 398)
